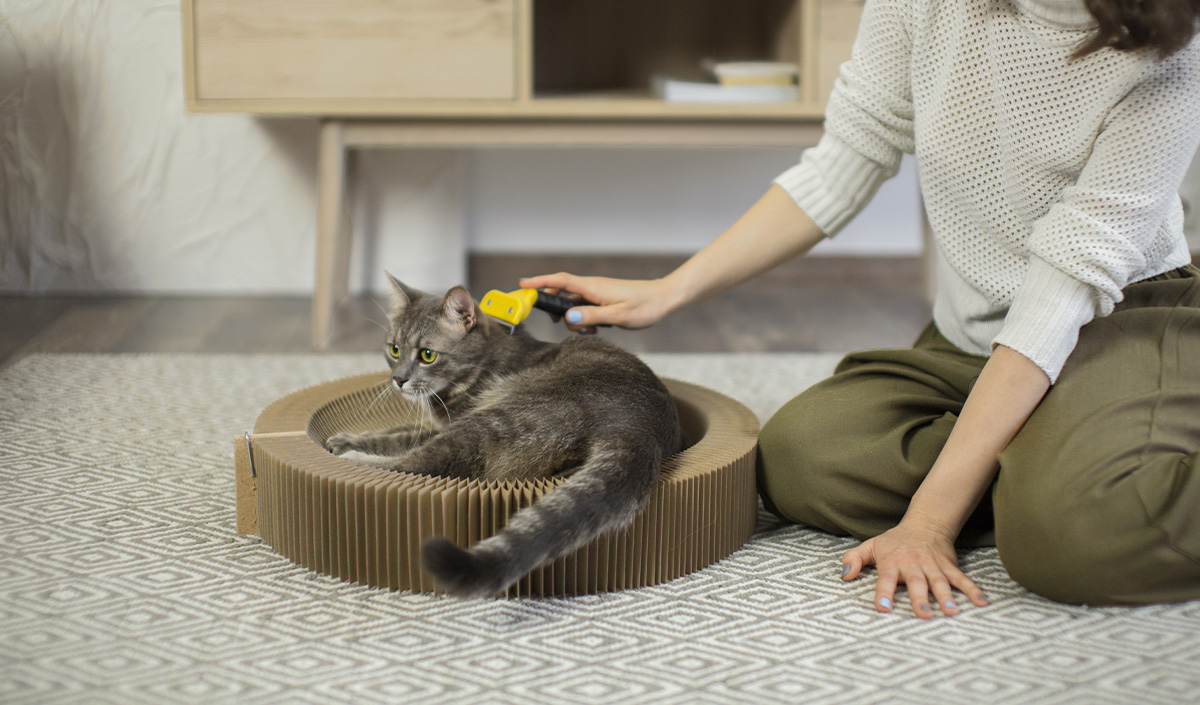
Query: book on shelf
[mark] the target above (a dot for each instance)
(752, 73)
(733, 82)
(700, 92)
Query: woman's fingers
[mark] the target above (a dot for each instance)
(910, 572)
(930, 579)
(939, 585)
(580, 319)
(561, 281)
(967, 587)
(619, 302)
(854, 560)
(582, 289)
(584, 319)
(885, 588)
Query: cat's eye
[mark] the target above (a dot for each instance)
(394, 351)
(428, 356)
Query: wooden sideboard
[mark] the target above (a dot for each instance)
(454, 73)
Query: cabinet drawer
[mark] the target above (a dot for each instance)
(352, 49)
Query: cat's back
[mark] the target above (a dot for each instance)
(598, 363)
(604, 386)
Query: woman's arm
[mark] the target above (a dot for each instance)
(919, 552)
(772, 231)
(1120, 216)
(868, 127)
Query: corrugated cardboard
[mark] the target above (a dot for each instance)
(367, 525)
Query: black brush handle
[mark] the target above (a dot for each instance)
(559, 305)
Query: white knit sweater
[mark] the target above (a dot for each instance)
(1050, 184)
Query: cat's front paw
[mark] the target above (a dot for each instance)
(340, 443)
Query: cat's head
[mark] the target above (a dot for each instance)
(435, 344)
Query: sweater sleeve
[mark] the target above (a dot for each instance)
(868, 123)
(1122, 212)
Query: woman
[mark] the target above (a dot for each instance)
(1052, 408)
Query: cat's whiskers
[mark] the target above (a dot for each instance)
(424, 410)
(409, 411)
(379, 306)
(418, 407)
(375, 322)
(439, 400)
(378, 397)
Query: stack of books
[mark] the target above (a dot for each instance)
(733, 82)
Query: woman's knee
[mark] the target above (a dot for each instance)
(818, 466)
(792, 469)
(848, 453)
(1065, 562)
(1092, 546)
(1047, 554)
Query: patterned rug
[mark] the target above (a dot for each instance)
(122, 581)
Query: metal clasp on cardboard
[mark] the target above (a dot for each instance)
(250, 455)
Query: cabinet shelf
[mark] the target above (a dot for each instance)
(493, 59)
(643, 104)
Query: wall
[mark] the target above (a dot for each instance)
(1190, 191)
(655, 201)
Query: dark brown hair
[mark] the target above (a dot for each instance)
(1166, 26)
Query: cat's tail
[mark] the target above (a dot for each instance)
(603, 495)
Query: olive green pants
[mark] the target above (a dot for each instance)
(1097, 500)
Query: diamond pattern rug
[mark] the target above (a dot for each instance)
(122, 580)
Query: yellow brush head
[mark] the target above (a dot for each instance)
(510, 308)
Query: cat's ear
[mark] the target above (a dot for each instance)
(402, 295)
(459, 308)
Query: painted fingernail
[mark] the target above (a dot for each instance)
(845, 570)
(885, 603)
(925, 608)
(983, 597)
(574, 316)
(950, 605)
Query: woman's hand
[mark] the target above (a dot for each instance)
(919, 552)
(772, 231)
(628, 303)
(921, 557)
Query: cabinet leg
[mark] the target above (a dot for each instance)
(332, 266)
(928, 257)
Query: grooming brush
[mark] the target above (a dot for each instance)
(515, 306)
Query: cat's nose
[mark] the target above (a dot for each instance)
(399, 381)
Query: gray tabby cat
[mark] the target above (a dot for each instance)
(512, 407)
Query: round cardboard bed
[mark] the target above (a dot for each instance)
(367, 525)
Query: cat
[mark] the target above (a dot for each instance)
(506, 406)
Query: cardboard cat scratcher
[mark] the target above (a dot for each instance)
(367, 525)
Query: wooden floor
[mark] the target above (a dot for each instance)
(817, 304)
